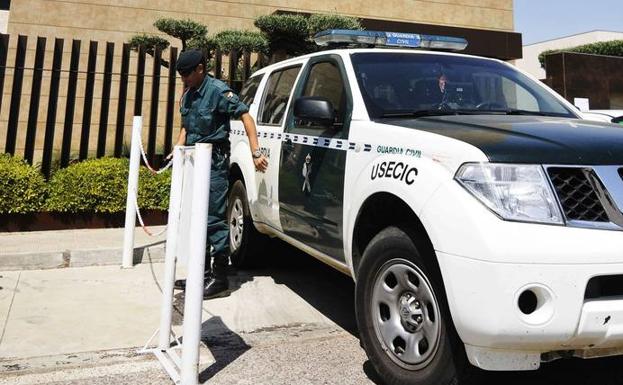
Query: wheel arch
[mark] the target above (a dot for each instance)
(377, 212)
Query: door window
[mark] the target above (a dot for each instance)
(247, 94)
(325, 80)
(278, 90)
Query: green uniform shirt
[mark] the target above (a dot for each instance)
(207, 110)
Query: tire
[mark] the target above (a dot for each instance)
(244, 239)
(402, 313)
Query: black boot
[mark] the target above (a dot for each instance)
(180, 284)
(217, 286)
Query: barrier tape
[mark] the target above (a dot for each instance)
(140, 219)
(151, 169)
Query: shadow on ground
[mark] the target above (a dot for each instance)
(332, 293)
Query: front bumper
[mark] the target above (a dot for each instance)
(487, 264)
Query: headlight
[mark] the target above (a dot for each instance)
(513, 191)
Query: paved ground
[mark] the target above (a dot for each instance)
(289, 323)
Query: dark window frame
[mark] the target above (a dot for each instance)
(256, 78)
(302, 83)
(260, 111)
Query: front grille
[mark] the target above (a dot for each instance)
(577, 196)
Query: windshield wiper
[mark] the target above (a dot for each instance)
(516, 111)
(423, 113)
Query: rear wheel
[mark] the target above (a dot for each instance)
(243, 237)
(403, 317)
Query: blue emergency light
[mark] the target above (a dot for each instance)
(389, 39)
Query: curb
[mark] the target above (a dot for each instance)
(78, 258)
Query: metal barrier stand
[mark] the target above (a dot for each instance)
(182, 370)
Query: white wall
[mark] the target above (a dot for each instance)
(530, 61)
(4, 21)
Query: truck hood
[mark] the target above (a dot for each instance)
(528, 139)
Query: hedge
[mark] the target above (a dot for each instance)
(608, 48)
(22, 187)
(100, 185)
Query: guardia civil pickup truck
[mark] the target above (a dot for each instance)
(479, 216)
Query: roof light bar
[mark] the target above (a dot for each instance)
(389, 39)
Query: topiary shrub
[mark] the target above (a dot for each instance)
(100, 185)
(287, 34)
(234, 40)
(22, 187)
(321, 22)
(150, 42)
(184, 30)
(292, 35)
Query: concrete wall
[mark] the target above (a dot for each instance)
(4, 21)
(118, 20)
(530, 61)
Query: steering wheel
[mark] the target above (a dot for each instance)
(490, 105)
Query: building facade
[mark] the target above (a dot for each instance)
(4, 15)
(107, 20)
(486, 24)
(530, 61)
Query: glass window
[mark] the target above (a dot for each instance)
(5, 5)
(247, 94)
(325, 80)
(408, 83)
(278, 90)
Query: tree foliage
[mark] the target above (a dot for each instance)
(291, 35)
(184, 30)
(286, 34)
(609, 48)
(150, 42)
(319, 23)
(234, 40)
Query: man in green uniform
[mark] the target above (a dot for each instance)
(206, 108)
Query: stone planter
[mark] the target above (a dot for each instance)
(66, 221)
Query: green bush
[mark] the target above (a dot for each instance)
(100, 185)
(231, 40)
(609, 48)
(291, 35)
(149, 42)
(319, 23)
(286, 34)
(153, 189)
(184, 30)
(22, 187)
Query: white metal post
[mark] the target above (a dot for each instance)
(194, 281)
(130, 209)
(177, 180)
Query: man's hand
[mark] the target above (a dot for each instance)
(261, 163)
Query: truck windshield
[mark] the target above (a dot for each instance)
(412, 84)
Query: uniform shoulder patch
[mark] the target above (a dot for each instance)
(229, 95)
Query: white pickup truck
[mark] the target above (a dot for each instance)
(479, 217)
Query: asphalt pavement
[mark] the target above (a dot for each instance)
(289, 321)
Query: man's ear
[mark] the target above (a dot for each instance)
(200, 68)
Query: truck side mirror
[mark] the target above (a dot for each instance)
(315, 109)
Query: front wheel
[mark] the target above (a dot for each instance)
(404, 322)
(243, 237)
